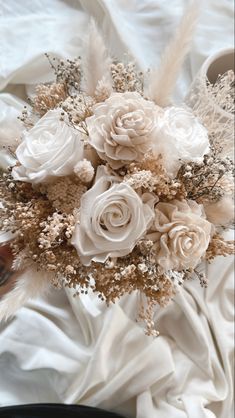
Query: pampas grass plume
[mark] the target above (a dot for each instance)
(29, 285)
(96, 65)
(162, 81)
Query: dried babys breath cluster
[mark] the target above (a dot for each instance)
(223, 92)
(219, 247)
(57, 227)
(126, 77)
(111, 191)
(78, 108)
(67, 72)
(209, 180)
(150, 175)
(48, 97)
(41, 234)
(114, 278)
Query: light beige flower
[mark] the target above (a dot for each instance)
(113, 217)
(121, 129)
(181, 234)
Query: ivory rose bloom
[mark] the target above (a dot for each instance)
(179, 135)
(121, 129)
(112, 218)
(50, 149)
(182, 234)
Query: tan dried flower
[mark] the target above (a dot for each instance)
(65, 194)
(55, 230)
(219, 246)
(126, 78)
(142, 179)
(48, 97)
(152, 176)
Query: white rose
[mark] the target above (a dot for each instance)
(121, 129)
(50, 149)
(182, 234)
(180, 135)
(112, 219)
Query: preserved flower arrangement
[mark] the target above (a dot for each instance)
(115, 189)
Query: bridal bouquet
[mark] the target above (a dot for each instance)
(114, 188)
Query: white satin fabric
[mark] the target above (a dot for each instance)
(70, 350)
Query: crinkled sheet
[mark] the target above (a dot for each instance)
(62, 349)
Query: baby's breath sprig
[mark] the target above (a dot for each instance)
(209, 180)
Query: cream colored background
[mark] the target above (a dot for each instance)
(61, 349)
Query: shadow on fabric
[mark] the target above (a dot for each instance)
(54, 410)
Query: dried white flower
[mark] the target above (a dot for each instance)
(143, 178)
(128, 270)
(142, 267)
(84, 171)
(70, 269)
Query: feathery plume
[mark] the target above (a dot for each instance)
(29, 285)
(162, 80)
(222, 212)
(97, 63)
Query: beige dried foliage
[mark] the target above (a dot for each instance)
(48, 97)
(219, 247)
(152, 176)
(162, 80)
(65, 193)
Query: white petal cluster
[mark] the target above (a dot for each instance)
(50, 149)
(113, 217)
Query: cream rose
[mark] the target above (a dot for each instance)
(112, 218)
(50, 149)
(121, 129)
(182, 234)
(179, 136)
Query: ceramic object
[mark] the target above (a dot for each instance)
(219, 122)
